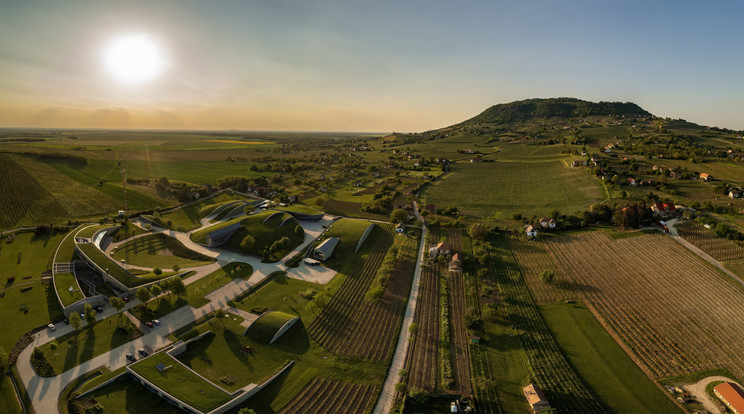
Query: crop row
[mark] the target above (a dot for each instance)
(459, 349)
(422, 372)
(342, 318)
(563, 387)
(23, 198)
(661, 300)
(717, 247)
(328, 396)
(533, 259)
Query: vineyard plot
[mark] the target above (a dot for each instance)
(675, 313)
(459, 335)
(24, 200)
(322, 395)
(717, 247)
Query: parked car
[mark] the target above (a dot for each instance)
(156, 322)
(67, 321)
(149, 324)
(51, 327)
(98, 309)
(126, 299)
(131, 358)
(142, 352)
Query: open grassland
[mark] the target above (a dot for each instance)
(610, 373)
(79, 346)
(24, 200)
(159, 250)
(520, 152)
(181, 382)
(67, 288)
(76, 198)
(500, 188)
(659, 300)
(27, 303)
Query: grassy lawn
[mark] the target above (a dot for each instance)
(66, 252)
(273, 293)
(115, 270)
(159, 250)
(311, 361)
(64, 282)
(126, 231)
(264, 329)
(27, 303)
(181, 382)
(77, 347)
(265, 234)
(196, 291)
(610, 373)
(349, 231)
(498, 189)
(8, 397)
(126, 396)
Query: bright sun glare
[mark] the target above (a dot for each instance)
(134, 59)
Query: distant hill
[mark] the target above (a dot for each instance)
(552, 107)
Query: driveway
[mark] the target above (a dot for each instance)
(698, 391)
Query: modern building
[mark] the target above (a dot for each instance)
(325, 249)
(732, 395)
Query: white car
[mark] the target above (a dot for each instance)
(156, 322)
(51, 327)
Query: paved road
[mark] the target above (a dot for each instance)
(387, 396)
(44, 392)
(698, 391)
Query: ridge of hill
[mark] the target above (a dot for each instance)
(552, 107)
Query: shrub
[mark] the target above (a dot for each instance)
(158, 271)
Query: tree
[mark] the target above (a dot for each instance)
(90, 315)
(156, 290)
(158, 271)
(398, 216)
(178, 287)
(176, 268)
(477, 231)
(143, 295)
(75, 320)
(118, 304)
(247, 243)
(220, 314)
(547, 276)
(166, 285)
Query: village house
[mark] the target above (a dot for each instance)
(536, 398)
(477, 158)
(632, 182)
(734, 194)
(705, 176)
(531, 231)
(400, 228)
(456, 262)
(443, 248)
(431, 208)
(579, 163)
(663, 209)
(547, 223)
(469, 151)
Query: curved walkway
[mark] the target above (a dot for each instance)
(387, 395)
(697, 390)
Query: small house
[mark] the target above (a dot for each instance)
(536, 398)
(400, 228)
(443, 248)
(456, 261)
(531, 231)
(474, 339)
(663, 209)
(734, 194)
(431, 208)
(632, 182)
(477, 158)
(547, 223)
(579, 163)
(705, 176)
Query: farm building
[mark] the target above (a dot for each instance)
(705, 177)
(578, 163)
(632, 182)
(732, 395)
(325, 249)
(546, 222)
(536, 398)
(456, 261)
(531, 231)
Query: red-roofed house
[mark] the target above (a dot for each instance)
(705, 176)
(732, 395)
(663, 209)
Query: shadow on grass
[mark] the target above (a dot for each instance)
(89, 345)
(71, 356)
(295, 340)
(261, 402)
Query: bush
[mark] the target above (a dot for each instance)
(158, 271)
(41, 365)
(247, 243)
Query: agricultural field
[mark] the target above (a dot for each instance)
(158, 250)
(350, 327)
(534, 259)
(423, 350)
(611, 375)
(458, 334)
(346, 398)
(717, 247)
(497, 190)
(547, 364)
(643, 288)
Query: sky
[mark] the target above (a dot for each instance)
(375, 66)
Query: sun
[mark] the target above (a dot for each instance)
(134, 59)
